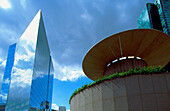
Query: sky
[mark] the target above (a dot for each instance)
(72, 28)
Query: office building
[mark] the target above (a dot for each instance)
(62, 108)
(150, 18)
(28, 76)
(119, 89)
(7, 76)
(156, 16)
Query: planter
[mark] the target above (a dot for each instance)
(132, 93)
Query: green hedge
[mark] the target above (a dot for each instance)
(144, 70)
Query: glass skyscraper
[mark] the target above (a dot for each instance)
(28, 77)
(7, 77)
(150, 18)
(62, 108)
(156, 16)
(164, 12)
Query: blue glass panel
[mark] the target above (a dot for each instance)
(164, 12)
(7, 75)
(40, 81)
(21, 76)
(143, 20)
(32, 73)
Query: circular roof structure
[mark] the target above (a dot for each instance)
(152, 46)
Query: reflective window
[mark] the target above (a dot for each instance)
(32, 72)
(143, 20)
(7, 74)
(164, 12)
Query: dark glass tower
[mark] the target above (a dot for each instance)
(150, 18)
(164, 13)
(156, 16)
(30, 73)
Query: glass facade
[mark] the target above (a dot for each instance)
(62, 108)
(156, 16)
(41, 73)
(164, 13)
(143, 20)
(150, 18)
(31, 80)
(7, 76)
(50, 83)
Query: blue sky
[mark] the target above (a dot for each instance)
(72, 27)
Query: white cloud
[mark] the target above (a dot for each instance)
(67, 52)
(86, 16)
(6, 81)
(121, 6)
(123, 15)
(55, 107)
(3, 96)
(68, 110)
(70, 72)
(2, 67)
(26, 55)
(3, 63)
(23, 3)
(6, 32)
(5, 4)
(21, 77)
(98, 7)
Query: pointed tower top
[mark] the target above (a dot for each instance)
(30, 34)
(39, 11)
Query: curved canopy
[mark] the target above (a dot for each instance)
(150, 45)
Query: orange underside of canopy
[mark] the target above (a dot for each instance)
(150, 45)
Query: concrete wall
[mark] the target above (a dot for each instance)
(133, 93)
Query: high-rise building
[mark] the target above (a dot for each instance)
(164, 12)
(150, 18)
(62, 108)
(28, 76)
(7, 76)
(156, 16)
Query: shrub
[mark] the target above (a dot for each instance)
(139, 70)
